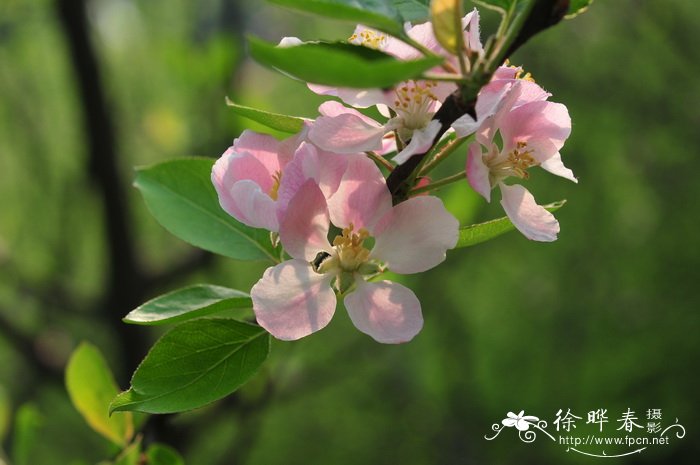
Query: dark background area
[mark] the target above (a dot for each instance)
(606, 317)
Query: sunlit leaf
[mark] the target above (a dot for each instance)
(161, 454)
(276, 121)
(339, 64)
(576, 7)
(194, 364)
(180, 195)
(91, 388)
(188, 303)
(446, 16)
(379, 14)
(482, 232)
(25, 435)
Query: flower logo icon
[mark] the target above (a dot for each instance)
(520, 421)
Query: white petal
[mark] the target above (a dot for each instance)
(415, 235)
(387, 311)
(555, 166)
(292, 301)
(421, 141)
(531, 219)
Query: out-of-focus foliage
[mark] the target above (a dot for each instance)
(606, 317)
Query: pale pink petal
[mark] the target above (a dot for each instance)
(362, 197)
(249, 205)
(421, 141)
(465, 125)
(415, 235)
(292, 301)
(555, 166)
(387, 311)
(345, 130)
(478, 174)
(262, 147)
(472, 39)
(289, 42)
(304, 227)
(531, 219)
(544, 126)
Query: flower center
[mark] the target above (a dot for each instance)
(513, 163)
(277, 178)
(369, 39)
(351, 251)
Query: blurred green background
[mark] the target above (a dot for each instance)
(606, 317)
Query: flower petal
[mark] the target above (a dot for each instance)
(387, 311)
(304, 227)
(555, 166)
(543, 125)
(414, 235)
(362, 197)
(249, 205)
(421, 141)
(345, 131)
(358, 98)
(531, 219)
(292, 301)
(478, 172)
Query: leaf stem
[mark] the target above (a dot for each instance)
(442, 155)
(380, 160)
(439, 183)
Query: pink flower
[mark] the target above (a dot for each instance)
(298, 297)
(491, 98)
(532, 135)
(258, 175)
(413, 103)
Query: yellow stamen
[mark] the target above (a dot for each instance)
(277, 177)
(351, 252)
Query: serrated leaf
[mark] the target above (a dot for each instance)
(276, 121)
(160, 454)
(339, 64)
(379, 14)
(181, 197)
(576, 7)
(195, 364)
(446, 16)
(482, 232)
(188, 303)
(91, 388)
(413, 10)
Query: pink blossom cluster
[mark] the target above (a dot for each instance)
(329, 205)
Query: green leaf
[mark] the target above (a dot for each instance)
(91, 388)
(447, 23)
(25, 436)
(482, 232)
(194, 364)
(576, 7)
(284, 123)
(188, 303)
(339, 64)
(180, 195)
(413, 10)
(160, 454)
(130, 455)
(379, 14)
(502, 6)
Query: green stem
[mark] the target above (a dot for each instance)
(380, 160)
(507, 34)
(439, 183)
(446, 151)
